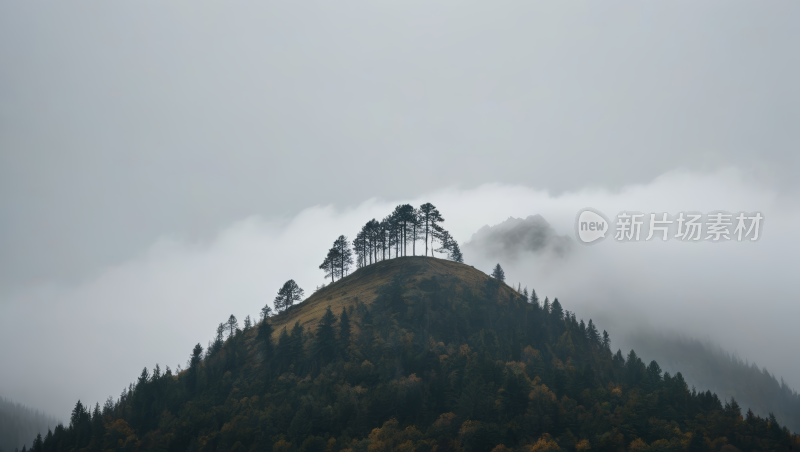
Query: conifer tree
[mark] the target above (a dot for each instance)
(430, 217)
(328, 265)
(534, 298)
(297, 341)
(606, 341)
(344, 255)
(556, 311)
(265, 337)
(266, 311)
(498, 273)
(219, 338)
(288, 294)
(344, 329)
(325, 341)
(283, 351)
(232, 325)
(592, 334)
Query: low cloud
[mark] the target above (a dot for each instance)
(516, 237)
(89, 340)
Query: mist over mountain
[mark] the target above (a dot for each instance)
(19, 425)
(707, 366)
(416, 354)
(511, 239)
(532, 246)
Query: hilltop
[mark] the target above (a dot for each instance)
(417, 354)
(363, 286)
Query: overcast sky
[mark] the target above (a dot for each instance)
(136, 138)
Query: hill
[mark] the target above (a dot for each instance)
(364, 285)
(417, 354)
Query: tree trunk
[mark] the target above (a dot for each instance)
(426, 237)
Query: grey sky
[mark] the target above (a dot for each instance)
(128, 128)
(123, 122)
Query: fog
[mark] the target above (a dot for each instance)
(89, 340)
(123, 122)
(166, 164)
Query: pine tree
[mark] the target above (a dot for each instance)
(429, 215)
(288, 294)
(283, 351)
(265, 337)
(498, 273)
(606, 341)
(455, 253)
(534, 298)
(266, 312)
(344, 329)
(219, 338)
(592, 334)
(297, 342)
(325, 341)
(328, 265)
(232, 325)
(344, 255)
(556, 311)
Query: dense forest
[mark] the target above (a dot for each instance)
(19, 424)
(444, 358)
(708, 366)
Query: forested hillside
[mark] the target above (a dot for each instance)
(434, 356)
(709, 367)
(20, 424)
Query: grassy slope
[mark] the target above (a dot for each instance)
(363, 285)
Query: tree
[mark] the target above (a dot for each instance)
(534, 298)
(606, 341)
(265, 336)
(498, 273)
(404, 215)
(344, 329)
(328, 266)
(219, 338)
(266, 312)
(325, 343)
(344, 256)
(287, 295)
(197, 353)
(592, 334)
(247, 323)
(430, 217)
(450, 246)
(232, 325)
(416, 230)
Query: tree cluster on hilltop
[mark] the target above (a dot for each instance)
(430, 365)
(403, 228)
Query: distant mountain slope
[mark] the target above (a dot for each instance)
(710, 368)
(20, 424)
(418, 355)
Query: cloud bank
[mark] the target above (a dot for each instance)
(89, 340)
